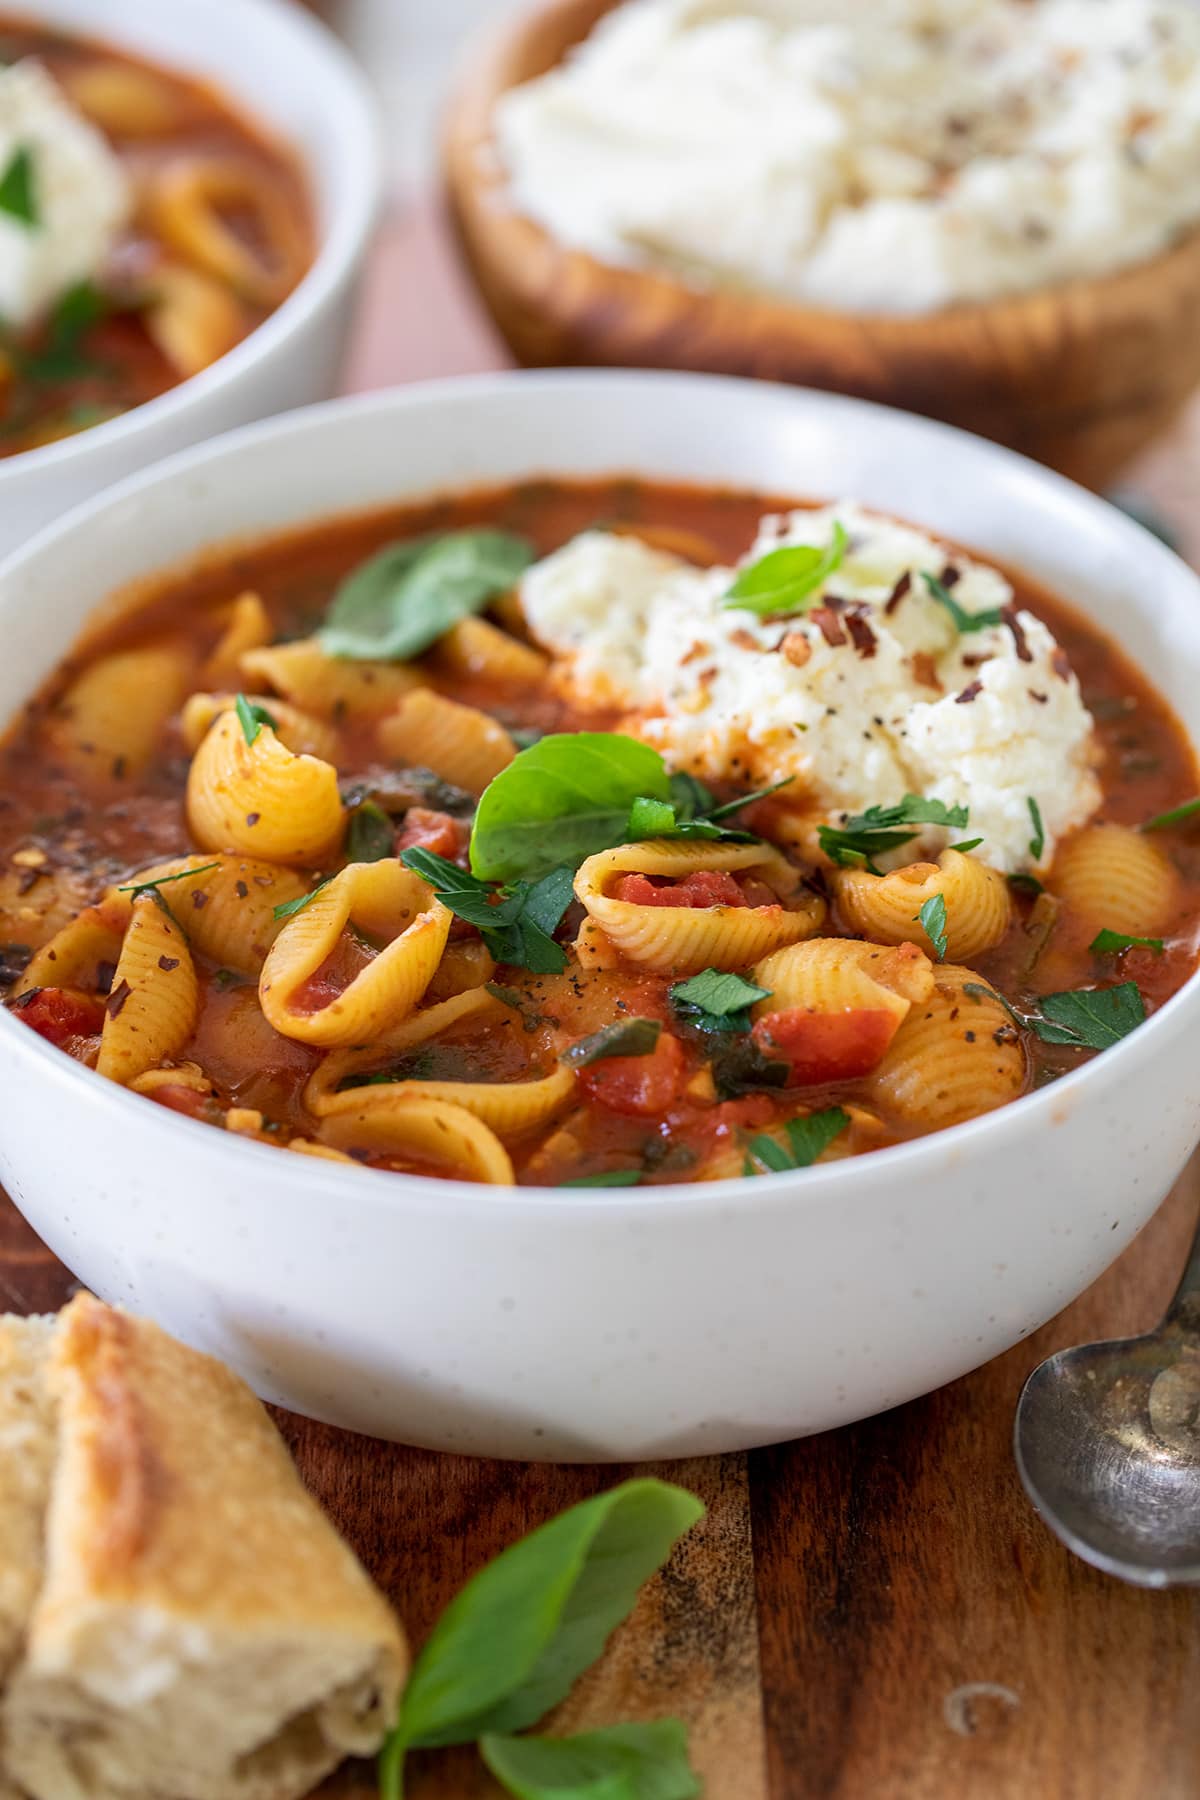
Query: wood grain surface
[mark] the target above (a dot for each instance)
(874, 1614)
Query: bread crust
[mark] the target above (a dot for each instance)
(201, 1632)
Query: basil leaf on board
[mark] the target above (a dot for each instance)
(18, 195)
(516, 922)
(560, 801)
(288, 909)
(619, 1762)
(866, 835)
(1178, 815)
(370, 835)
(252, 718)
(1037, 842)
(400, 601)
(806, 1137)
(788, 579)
(1111, 943)
(716, 1000)
(932, 920)
(606, 1178)
(627, 1037)
(964, 621)
(513, 1642)
(145, 887)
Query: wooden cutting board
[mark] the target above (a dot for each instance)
(875, 1614)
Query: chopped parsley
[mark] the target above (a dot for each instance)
(873, 833)
(606, 1178)
(287, 909)
(148, 887)
(627, 1037)
(932, 920)
(370, 835)
(1178, 815)
(18, 193)
(1037, 842)
(1111, 943)
(252, 718)
(1083, 1018)
(716, 1000)
(807, 1138)
(964, 621)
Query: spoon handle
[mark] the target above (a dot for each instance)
(1184, 1310)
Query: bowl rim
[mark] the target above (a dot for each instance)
(971, 1143)
(477, 180)
(354, 117)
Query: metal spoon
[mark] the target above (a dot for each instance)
(1107, 1441)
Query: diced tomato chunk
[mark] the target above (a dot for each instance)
(703, 887)
(824, 1046)
(748, 1112)
(61, 1015)
(182, 1099)
(641, 1085)
(425, 830)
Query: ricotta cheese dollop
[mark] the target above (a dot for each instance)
(880, 156)
(871, 693)
(81, 195)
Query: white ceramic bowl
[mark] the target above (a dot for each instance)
(287, 71)
(614, 1323)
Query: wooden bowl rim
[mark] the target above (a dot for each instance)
(476, 183)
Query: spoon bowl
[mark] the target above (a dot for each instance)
(1107, 1442)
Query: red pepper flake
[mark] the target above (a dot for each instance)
(861, 635)
(968, 694)
(1060, 662)
(950, 576)
(241, 890)
(199, 898)
(744, 639)
(167, 963)
(1034, 695)
(264, 881)
(27, 877)
(829, 625)
(119, 768)
(795, 648)
(1009, 615)
(253, 818)
(696, 650)
(27, 998)
(106, 974)
(925, 670)
(116, 1000)
(975, 659)
(902, 587)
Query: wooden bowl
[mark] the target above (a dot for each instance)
(1080, 376)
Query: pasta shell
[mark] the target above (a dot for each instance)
(449, 1137)
(261, 800)
(187, 200)
(1108, 876)
(124, 100)
(386, 900)
(884, 908)
(155, 999)
(326, 1153)
(325, 1080)
(76, 954)
(330, 687)
(109, 722)
(507, 1107)
(459, 743)
(193, 318)
(246, 623)
(464, 965)
(297, 731)
(228, 912)
(956, 1056)
(683, 939)
(32, 914)
(181, 1075)
(831, 975)
(475, 649)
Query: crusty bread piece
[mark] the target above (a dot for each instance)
(201, 1632)
(26, 1456)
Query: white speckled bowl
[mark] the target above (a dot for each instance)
(613, 1323)
(288, 72)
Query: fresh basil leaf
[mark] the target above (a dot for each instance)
(964, 621)
(1178, 815)
(870, 834)
(511, 1645)
(402, 600)
(650, 818)
(145, 887)
(18, 195)
(516, 923)
(932, 920)
(1092, 1017)
(807, 1138)
(370, 835)
(288, 909)
(252, 718)
(619, 1762)
(789, 579)
(716, 1000)
(627, 1037)
(606, 1178)
(1037, 842)
(690, 797)
(1110, 943)
(560, 801)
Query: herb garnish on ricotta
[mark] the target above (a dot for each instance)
(871, 694)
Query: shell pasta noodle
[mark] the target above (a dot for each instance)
(378, 843)
(163, 228)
